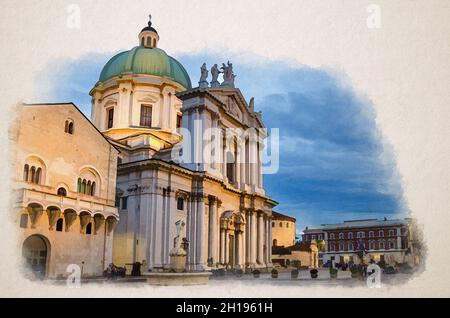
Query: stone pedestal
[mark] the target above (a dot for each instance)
(183, 279)
(178, 260)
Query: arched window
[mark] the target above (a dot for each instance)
(89, 228)
(381, 233)
(332, 236)
(180, 203)
(341, 236)
(371, 245)
(79, 185)
(371, 234)
(391, 232)
(37, 178)
(93, 188)
(350, 235)
(70, 128)
(24, 220)
(391, 244)
(59, 225)
(88, 188)
(26, 170)
(33, 174)
(281, 224)
(62, 192)
(273, 224)
(154, 42)
(83, 186)
(274, 242)
(350, 246)
(381, 245)
(287, 224)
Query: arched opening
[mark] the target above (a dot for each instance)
(59, 225)
(26, 170)
(93, 188)
(89, 228)
(35, 251)
(33, 174)
(37, 178)
(83, 186)
(62, 192)
(70, 128)
(275, 242)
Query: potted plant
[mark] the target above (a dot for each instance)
(354, 271)
(390, 270)
(314, 273)
(256, 273)
(333, 272)
(294, 273)
(274, 273)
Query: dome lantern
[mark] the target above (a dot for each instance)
(149, 37)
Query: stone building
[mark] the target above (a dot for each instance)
(65, 171)
(168, 191)
(283, 230)
(386, 240)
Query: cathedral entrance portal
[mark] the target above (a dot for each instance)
(35, 252)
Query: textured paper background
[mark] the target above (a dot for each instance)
(403, 67)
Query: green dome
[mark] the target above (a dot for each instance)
(143, 60)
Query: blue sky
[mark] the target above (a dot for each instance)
(334, 164)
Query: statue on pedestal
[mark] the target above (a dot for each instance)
(228, 75)
(215, 75)
(203, 76)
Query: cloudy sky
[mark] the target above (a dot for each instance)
(334, 165)
(355, 90)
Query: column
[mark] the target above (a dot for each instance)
(237, 250)
(191, 232)
(224, 155)
(237, 164)
(253, 238)
(399, 238)
(212, 231)
(266, 240)
(247, 238)
(200, 250)
(242, 163)
(260, 256)
(258, 166)
(226, 247)
(222, 246)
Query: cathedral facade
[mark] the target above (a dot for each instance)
(161, 168)
(190, 167)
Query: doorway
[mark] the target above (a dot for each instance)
(35, 253)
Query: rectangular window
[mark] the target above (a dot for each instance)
(110, 117)
(146, 116)
(179, 121)
(124, 203)
(180, 204)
